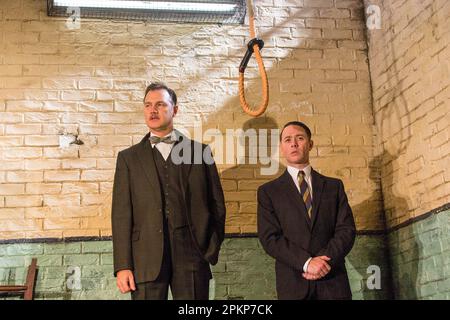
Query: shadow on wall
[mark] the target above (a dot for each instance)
(246, 177)
(403, 247)
(394, 128)
(404, 268)
(376, 249)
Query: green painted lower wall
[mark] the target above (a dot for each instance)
(244, 271)
(59, 266)
(420, 259)
(418, 255)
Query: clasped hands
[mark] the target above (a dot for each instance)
(318, 268)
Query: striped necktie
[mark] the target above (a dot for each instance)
(304, 191)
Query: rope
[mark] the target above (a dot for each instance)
(256, 46)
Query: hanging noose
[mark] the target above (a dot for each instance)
(254, 46)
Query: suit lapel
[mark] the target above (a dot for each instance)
(145, 155)
(317, 185)
(293, 194)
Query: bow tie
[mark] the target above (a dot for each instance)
(156, 139)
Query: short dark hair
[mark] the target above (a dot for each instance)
(298, 124)
(161, 86)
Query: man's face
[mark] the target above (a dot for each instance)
(295, 145)
(159, 110)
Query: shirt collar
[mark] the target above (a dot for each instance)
(294, 171)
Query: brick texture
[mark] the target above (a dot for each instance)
(409, 65)
(90, 82)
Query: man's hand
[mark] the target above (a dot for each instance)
(317, 268)
(125, 281)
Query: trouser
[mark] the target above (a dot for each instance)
(182, 268)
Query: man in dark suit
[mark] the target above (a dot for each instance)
(306, 224)
(168, 210)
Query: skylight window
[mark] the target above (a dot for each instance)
(218, 11)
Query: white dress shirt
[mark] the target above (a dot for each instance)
(294, 174)
(165, 148)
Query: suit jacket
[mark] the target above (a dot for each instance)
(137, 217)
(291, 237)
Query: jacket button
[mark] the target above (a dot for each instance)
(160, 231)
